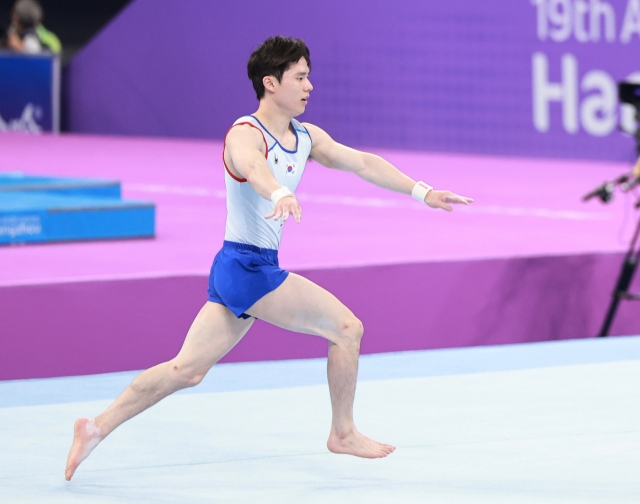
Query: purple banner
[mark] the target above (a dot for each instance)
(513, 77)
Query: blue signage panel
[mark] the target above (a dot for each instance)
(29, 93)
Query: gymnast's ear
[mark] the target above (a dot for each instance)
(269, 83)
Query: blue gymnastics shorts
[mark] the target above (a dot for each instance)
(241, 274)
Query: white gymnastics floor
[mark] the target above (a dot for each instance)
(538, 423)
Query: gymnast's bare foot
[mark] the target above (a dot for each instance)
(86, 437)
(354, 443)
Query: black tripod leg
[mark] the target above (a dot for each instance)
(622, 287)
(624, 280)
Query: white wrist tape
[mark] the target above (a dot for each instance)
(420, 191)
(278, 194)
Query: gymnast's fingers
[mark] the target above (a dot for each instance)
(297, 213)
(457, 199)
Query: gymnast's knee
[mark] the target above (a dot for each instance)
(350, 333)
(184, 376)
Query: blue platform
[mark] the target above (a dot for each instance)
(36, 209)
(19, 182)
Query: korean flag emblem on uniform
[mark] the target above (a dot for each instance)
(292, 169)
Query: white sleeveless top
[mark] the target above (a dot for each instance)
(245, 207)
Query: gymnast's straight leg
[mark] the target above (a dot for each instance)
(214, 332)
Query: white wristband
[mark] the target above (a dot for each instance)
(420, 191)
(278, 194)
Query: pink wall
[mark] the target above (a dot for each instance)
(105, 326)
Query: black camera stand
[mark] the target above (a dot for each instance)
(621, 291)
(627, 93)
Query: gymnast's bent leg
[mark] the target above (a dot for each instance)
(214, 332)
(302, 306)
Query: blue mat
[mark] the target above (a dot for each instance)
(19, 182)
(544, 423)
(37, 209)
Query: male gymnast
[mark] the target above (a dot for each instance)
(264, 157)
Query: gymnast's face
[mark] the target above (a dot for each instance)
(292, 93)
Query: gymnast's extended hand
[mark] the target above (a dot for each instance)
(444, 199)
(287, 205)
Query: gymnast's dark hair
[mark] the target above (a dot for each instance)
(273, 57)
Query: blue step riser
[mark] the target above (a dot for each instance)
(62, 186)
(38, 209)
(112, 192)
(38, 227)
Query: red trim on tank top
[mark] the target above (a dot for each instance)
(266, 148)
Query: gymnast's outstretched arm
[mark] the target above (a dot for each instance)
(373, 168)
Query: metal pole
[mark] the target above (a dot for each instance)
(624, 281)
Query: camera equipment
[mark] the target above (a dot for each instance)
(626, 182)
(621, 290)
(605, 191)
(627, 93)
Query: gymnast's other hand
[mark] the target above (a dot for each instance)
(286, 206)
(443, 199)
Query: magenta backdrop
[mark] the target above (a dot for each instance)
(105, 326)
